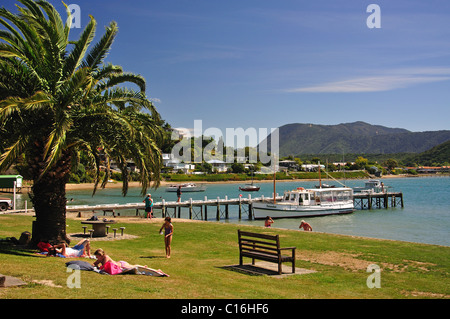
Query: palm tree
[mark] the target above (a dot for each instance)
(59, 99)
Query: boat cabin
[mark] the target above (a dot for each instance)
(309, 197)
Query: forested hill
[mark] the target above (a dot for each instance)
(357, 137)
(438, 154)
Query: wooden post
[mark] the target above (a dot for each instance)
(386, 203)
(226, 211)
(240, 208)
(190, 208)
(218, 209)
(401, 198)
(206, 211)
(163, 209)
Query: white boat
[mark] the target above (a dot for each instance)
(372, 186)
(186, 187)
(307, 203)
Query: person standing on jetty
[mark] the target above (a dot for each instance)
(148, 206)
(179, 194)
(168, 232)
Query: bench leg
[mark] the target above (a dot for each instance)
(240, 260)
(280, 268)
(293, 261)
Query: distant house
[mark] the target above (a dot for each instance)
(312, 167)
(130, 165)
(176, 165)
(432, 169)
(292, 165)
(166, 158)
(218, 166)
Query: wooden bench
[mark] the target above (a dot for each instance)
(264, 247)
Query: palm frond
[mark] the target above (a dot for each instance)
(117, 79)
(76, 56)
(98, 53)
(13, 152)
(16, 104)
(56, 142)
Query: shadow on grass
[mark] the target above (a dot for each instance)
(267, 269)
(8, 248)
(152, 257)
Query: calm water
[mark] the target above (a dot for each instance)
(424, 219)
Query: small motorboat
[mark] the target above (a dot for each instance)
(249, 188)
(186, 187)
(325, 186)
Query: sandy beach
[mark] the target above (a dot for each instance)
(84, 186)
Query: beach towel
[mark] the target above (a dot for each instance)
(111, 268)
(80, 264)
(141, 270)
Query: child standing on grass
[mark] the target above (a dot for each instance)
(168, 232)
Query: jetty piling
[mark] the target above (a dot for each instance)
(377, 200)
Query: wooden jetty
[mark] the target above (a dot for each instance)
(377, 200)
(198, 209)
(219, 208)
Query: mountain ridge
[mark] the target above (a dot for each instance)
(356, 137)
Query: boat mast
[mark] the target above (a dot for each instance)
(274, 180)
(320, 179)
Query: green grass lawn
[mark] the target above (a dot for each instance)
(200, 250)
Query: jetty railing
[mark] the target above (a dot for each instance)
(221, 207)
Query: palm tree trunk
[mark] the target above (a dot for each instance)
(49, 200)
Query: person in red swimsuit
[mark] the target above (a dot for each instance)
(268, 222)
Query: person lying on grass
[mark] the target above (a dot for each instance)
(82, 249)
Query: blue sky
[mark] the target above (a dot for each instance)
(265, 63)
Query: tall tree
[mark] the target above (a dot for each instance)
(58, 98)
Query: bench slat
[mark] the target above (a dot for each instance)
(253, 247)
(249, 240)
(244, 233)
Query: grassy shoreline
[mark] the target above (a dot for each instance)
(201, 250)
